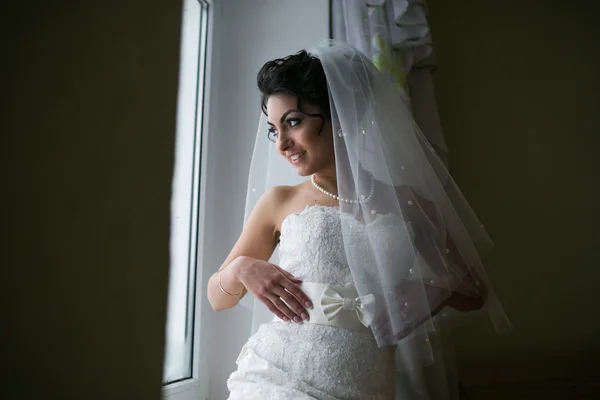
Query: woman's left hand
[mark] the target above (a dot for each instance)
(409, 308)
(413, 311)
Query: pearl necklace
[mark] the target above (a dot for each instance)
(363, 198)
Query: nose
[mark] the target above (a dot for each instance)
(283, 143)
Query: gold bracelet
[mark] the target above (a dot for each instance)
(225, 291)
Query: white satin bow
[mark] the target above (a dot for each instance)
(332, 304)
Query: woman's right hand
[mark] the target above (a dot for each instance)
(272, 285)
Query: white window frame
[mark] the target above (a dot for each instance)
(197, 387)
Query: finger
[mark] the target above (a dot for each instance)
(382, 332)
(287, 274)
(265, 296)
(292, 302)
(297, 293)
(283, 308)
(275, 311)
(381, 323)
(381, 320)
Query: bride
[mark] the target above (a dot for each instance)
(377, 248)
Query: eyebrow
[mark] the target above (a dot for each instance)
(285, 114)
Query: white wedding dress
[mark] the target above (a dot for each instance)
(285, 360)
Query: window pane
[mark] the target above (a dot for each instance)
(185, 196)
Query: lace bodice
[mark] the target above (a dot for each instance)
(312, 361)
(311, 246)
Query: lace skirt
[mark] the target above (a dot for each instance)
(310, 361)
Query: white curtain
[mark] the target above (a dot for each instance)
(395, 35)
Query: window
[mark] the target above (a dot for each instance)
(180, 369)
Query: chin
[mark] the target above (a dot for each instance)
(305, 170)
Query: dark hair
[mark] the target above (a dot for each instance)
(300, 75)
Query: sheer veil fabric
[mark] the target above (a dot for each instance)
(424, 240)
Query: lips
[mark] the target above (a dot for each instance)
(295, 158)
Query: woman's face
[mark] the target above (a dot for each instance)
(296, 134)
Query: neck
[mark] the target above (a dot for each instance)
(327, 180)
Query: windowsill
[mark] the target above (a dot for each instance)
(179, 387)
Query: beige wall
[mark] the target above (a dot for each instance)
(89, 132)
(518, 90)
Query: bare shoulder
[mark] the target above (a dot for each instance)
(280, 201)
(272, 204)
(275, 198)
(279, 195)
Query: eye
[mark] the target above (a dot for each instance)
(272, 134)
(292, 122)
